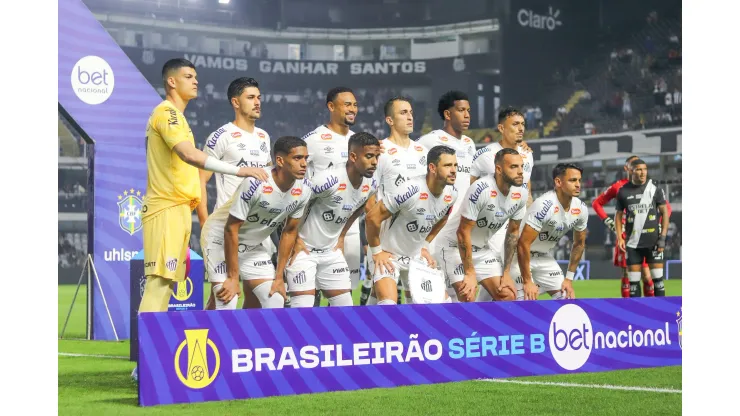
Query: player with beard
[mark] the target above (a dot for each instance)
(491, 202)
(644, 206)
(327, 148)
(453, 108)
(404, 160)
(239, 143)
(548, 219)
(417, 212)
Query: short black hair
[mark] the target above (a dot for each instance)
(174, 65)
(389, 104)
(332, 94)
(630, 158)
(286, 144)
(237, 86)
(636, 162)
(362, 139)
(437, 151)
(508, 112)
(499, 158)
(447, 101)
(560, 168)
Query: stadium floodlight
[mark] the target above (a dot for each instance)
(223, 1)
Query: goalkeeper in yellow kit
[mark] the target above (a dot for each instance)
(173, 186)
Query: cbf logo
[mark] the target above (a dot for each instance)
(198, 373)
(129, 211)
(92, 80)
(679, 314)
(183, 290)
(571, 337)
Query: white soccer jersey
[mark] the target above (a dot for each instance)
(415, 211)
(240, 148)
(334, 200)
(398, 165)
(483, 162)
(491, 209)
(326, 149)
(547, 217)
(262, 206)
(464, 150)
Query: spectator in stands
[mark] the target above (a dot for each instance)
(589, 128)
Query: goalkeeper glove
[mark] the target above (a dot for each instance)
(661, 242)
(610, 223)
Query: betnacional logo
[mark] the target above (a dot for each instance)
(198, 373)
(129, 211)
(92, 80)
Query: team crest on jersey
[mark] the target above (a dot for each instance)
(267, 189)
(236, 135)
(263, 147)
(365, 188)
(575, 211)
(296, 192)
(516, 195)
(392, 151)
(423, 196)
(423, 160)
(418, 148)
(326, 136)
(448, 198)
(342, 186)
(129, 211)
(493, 193)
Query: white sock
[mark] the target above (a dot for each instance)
(558, 295)
(301, 301)
(387, 302)
(407, 298)
(275, 301)
(634, 276)
(221, 305)
(483, 296)
(372, 300)
(345, 299)
(368, 282)
(452, 294)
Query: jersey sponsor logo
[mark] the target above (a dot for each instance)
(330, 181)
(328, 216)
(251, 164)
(337, 199)
(554, 274)
(418, 148)
(296, 191)
(275, 210)
(129, 211)
(448, 198)
(342, 186)
(328, 150)
(444, 138)
(494, 194)
(500, 214)
(543, 212)
(463, 169)
(392, 151)
(268, 222)
(479, 188)
(254, 152)
(413, 226)
(253, 185)
(557, 209)
(264, 204)
(411, 191)
(262, 263)
(326, 136)
(347, 207)
(241, 146)
(480, 152)
(365, 188)
(429, 217)
(482, 222)
(340, 270)
(545, 236)
(399, 180)
(420, 211)
(261, 135)
(424, 196)
(345, 155)
(516, 195)
(253, 218)
(411, 166)
(236, 135)
(575, 211)
(491, 207)
(396, 162)
(466, 140)
(211, 143)
(267, 189)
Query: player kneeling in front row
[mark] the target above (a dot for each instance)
(646, 233)
(490, 202)
(339, 196)
(232, 236)
(549, 218)
(417, 210)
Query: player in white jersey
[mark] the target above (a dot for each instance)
(339, 196)
(238, 143)
(417, 212)
(327, 147)
(549, 218)
(232, 236)
(489, 204)
(404, 159)
(454, 109)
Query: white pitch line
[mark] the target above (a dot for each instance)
(587, 386)
(70, 354)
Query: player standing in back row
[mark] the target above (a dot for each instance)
(647, 226)
(327, 148)
(454, 109)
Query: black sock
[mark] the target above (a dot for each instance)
(399, 296)
(659, 287)
(317, 299)
(365, 294)
(635, 291)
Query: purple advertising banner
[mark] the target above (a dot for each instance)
(108, 98)
(198, 356)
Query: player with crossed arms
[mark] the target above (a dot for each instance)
(549, 218)
(233, 235)
(417, 212)
(489, 204)
(338, 199)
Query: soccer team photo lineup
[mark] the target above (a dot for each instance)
(400, 205)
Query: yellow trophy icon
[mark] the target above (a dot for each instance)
(198, 374)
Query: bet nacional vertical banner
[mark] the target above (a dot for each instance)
(110, 101)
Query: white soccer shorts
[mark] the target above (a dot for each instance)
(322, 269)
(486, 262)
(400, 270)
(255, 262)
(546, 273)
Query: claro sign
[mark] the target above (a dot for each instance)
(550, 21)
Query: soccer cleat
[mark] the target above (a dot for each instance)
(135, 374)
